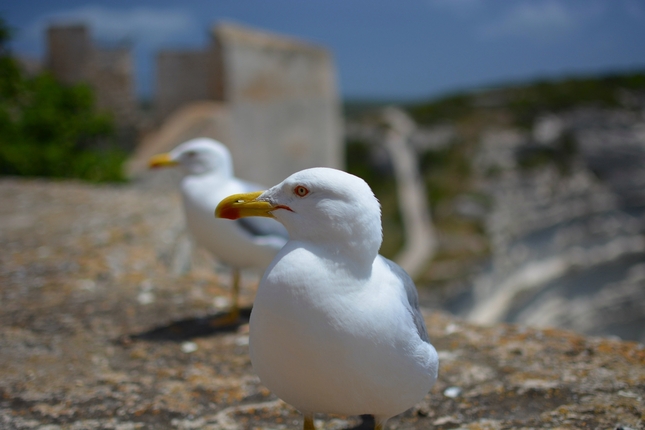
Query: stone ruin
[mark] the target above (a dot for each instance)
(72, 58)
(271, 99)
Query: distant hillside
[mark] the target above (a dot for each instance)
(537, 192)
(524, 102)
(464, 117)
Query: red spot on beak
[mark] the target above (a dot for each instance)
(230, 213)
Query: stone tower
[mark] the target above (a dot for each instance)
(73, 58)
(278, 110)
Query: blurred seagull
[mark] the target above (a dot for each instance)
(207, 178)
(335, 327)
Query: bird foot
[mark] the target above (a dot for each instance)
(226, 320)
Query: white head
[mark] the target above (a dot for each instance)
(197, 157)
(327, 207)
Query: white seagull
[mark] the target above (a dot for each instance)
(208, 178)
(335, 327)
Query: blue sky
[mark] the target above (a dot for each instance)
(392, 49)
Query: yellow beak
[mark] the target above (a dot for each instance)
(243, 205)
(161, 160)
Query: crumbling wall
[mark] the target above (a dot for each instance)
(69, 49)
(183, 77)
(283, 101)
(280, 94)
(73, 58)
(111, 74)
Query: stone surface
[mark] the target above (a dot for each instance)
(183, 77)
(567, 243)
(97, 333)
(284, 103)
(278, 108)
(271, 99)
(73, 57)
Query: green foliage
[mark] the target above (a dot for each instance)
(446, 171)
(561, 154)
(524, 102)
(357, 156)
(445, 109)
(47, 129)
(359, 161)
(528, 102)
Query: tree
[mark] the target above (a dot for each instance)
(49, 129)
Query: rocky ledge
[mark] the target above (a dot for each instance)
(101, 328)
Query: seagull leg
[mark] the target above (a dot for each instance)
(379, 423)
(233, 315)
(235, 299)
(309, 422)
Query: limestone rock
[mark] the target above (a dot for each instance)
(81, 349)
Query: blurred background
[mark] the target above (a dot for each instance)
(505, 140)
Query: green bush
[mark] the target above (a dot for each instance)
(48, 129)
(523, 103)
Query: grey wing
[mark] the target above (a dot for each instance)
(413, 298)
(259, 226)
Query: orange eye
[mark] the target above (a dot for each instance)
(301, 191)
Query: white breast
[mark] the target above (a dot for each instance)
(324, 341)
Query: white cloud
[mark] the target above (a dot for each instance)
(145, 27)
(535, 19)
